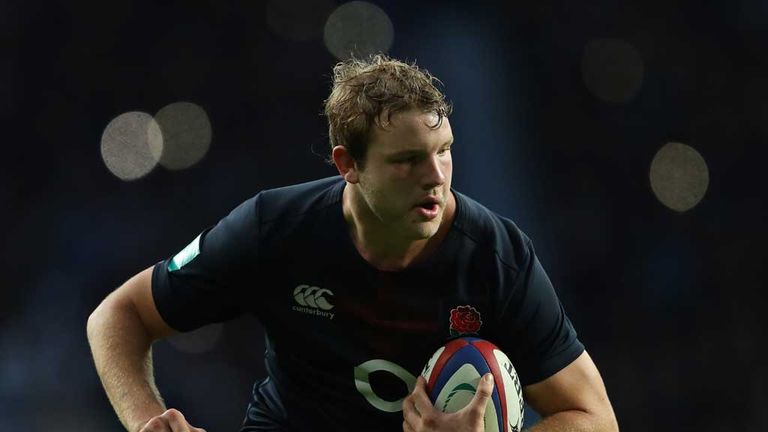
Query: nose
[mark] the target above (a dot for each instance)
(434, 174)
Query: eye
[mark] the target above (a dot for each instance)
(409, 159)
(444, 150)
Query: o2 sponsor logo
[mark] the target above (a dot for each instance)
(363, 384)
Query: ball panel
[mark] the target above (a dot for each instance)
(467, 354)
(487, 350)
(514, 392)
(449, 349)
(453, 374)
(458, 389)
(492, 417)
(458, 392)
(430, 366)
(467, 366)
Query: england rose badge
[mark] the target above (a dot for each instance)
(465, 320)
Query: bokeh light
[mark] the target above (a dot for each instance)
(131, 145)
(358, 29)
(198, 341)
(186, 133)
(298, 20)
(679, 176)
(612, 70)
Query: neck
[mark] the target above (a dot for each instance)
(379, 245)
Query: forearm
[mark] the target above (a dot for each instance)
(122, 354)
(575, 421)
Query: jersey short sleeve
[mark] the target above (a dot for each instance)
(206, 281)
(545, 339)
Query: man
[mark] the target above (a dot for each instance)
(357, 280)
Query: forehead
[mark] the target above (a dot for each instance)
(410, 129)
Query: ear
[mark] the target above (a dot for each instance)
(345, 164)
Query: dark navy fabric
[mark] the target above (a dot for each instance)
(286, 257)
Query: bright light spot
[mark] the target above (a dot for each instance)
(186, 134)
(679, 176)
(358, 29)
(298, 20)
(612, 69)
(131, 145)
(198, 341)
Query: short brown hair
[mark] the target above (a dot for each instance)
(364, 90)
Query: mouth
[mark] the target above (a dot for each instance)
(428, 207)
(429, 201)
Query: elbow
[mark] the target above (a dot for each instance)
(608, 421)
(95, 321)
(597, 419)
(99, 319)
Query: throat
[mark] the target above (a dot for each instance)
(386, 253)
(385, 249)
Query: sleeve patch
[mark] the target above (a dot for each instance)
(186, 255)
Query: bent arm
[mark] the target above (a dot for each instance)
(573, 399)
(120, 332)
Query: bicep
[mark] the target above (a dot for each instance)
(136, 293)
(578, 386)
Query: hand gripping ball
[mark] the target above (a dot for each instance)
(454, 371)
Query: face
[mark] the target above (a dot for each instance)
(406, 178)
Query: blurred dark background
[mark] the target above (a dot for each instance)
(627, 139)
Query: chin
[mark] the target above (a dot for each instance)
(427, 230)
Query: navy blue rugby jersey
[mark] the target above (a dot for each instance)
(346, 341)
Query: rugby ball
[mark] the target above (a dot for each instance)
(454, 371)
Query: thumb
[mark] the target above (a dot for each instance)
(482, 395)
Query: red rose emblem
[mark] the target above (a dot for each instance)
(465, 319)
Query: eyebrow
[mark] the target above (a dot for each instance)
(415, 151)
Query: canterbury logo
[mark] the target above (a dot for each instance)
(312, 296)
(313, 300)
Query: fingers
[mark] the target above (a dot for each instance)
(155, 424)
(411, 418)
(482, 395)
(410, 414)
(419, 396)
(418, 412)
(170, 421)
(176, 420)
(407, 427)
(421, 383)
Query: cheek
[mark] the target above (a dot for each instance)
(448, 168)
(400, 171)
(384, 196)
